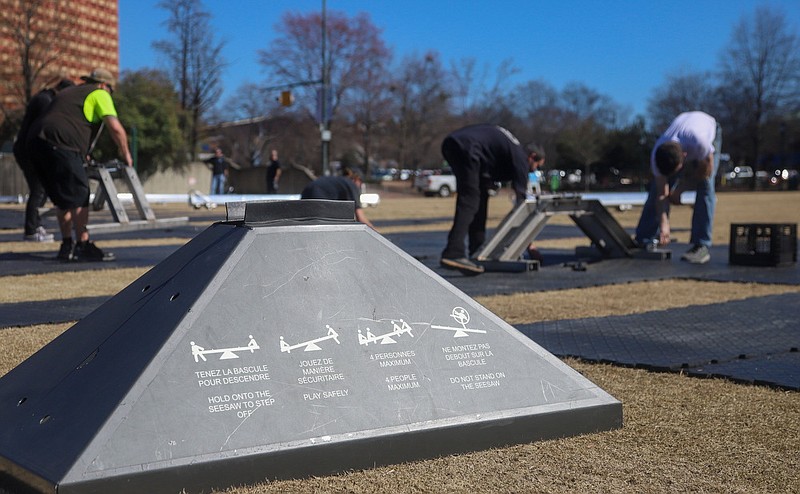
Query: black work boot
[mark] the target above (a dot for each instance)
(89, 252)
(65, 251)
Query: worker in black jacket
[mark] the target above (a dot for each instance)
(481, 155)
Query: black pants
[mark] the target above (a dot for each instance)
(472, 199)
(36, 197)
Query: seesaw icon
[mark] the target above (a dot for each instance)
(311, 345)
(199, 352)
(461, 316)
(385, 339)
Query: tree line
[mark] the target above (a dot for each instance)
(386, 112)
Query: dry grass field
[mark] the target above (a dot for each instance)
(680, 434)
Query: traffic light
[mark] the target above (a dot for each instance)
(287, 98)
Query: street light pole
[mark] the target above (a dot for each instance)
(783, 143)
(325, 134)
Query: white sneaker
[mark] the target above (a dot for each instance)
(698, 254)
(40, 235)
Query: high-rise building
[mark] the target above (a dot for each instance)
(67, 38)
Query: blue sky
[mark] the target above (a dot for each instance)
(621, 48)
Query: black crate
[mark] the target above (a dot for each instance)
(763, 244)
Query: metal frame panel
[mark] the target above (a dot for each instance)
(107, 193)
(523, 224)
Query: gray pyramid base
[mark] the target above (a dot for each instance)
(294, 342)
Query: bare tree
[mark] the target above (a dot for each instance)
(354, 51)
(422, 98)
(195, 60)
(761, 67)
(249, 107)
(588, 117)
(295, 57)
(250, 100)
(36, 29)
(680, 93)
(371, 108)
(586, 103)
(537, 106)
(474, 90)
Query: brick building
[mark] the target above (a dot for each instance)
(73, 35)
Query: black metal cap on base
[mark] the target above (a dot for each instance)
(272, 351)
(264, 213)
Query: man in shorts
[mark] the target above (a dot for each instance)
(59, 144)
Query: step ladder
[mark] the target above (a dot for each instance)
(503, 252)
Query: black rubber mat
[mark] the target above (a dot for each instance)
(752, 340)
(14, 218)
(187, 231)
(48, 311)
(13, 263)
(781, 370)
(410, 221)
(559, 271)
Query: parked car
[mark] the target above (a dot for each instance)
(440, 182)
(381, 175)
(736, 175)
(792, 179)
(741, 172)
(765, 179)
(781, 178)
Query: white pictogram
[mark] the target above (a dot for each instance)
(461, 316)
(385, 339)
(311, 345)
(199, 352)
